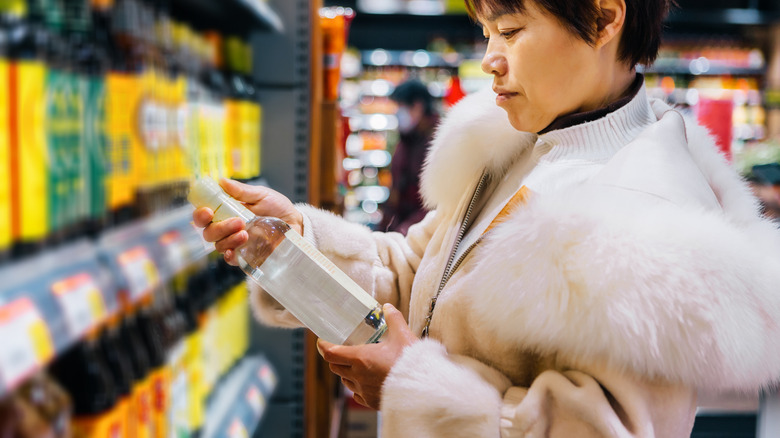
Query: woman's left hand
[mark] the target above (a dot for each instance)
(363, 368)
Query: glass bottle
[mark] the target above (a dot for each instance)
(296, 274)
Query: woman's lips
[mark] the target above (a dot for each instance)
(504, 96)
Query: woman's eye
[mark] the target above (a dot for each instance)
(509, 33)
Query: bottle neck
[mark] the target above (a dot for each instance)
(229, 207)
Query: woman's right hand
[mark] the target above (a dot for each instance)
(229, 234)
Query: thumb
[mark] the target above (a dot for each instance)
(396, 324)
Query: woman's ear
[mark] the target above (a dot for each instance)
(612, 16)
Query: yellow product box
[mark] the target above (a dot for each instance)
(108, 425)
(234, 151)
(161, 400)
(30, 191)
(123, 93)
(197, 393)
(179, 125)
(141, 407)
(5, 159)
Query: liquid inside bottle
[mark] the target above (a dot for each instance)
(297, 275)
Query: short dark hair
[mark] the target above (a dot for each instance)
(641, 31)
(413, 91)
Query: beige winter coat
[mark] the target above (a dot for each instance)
(597, 312)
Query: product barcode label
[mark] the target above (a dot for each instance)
(81, 302)
(139, 270)
(27, 343)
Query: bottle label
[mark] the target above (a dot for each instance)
(29, 147)
(81, 302)
(122, 97)
(329, 267)
(27, 343)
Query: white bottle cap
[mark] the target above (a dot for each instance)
(205, 192)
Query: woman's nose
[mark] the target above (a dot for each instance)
(494, 63)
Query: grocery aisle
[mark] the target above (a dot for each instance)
(117, 319)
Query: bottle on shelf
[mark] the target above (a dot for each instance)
(114, 353)
(303, 280)
(29, 150)
(88, 379)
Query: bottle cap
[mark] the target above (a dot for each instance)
(205, 192)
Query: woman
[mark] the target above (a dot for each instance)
(590, 261)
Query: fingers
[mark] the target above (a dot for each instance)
(230, 257)
(244, 192)
(343, 371)
(217, 231)
(335, 354)
(396, 325)
(202, 217)
(233, 241)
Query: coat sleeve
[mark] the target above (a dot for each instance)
(430, 393)
(383, 264)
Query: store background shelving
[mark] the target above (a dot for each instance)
(70, 287)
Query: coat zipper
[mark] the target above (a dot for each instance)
(450, 268)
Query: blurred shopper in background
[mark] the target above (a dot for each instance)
(591, 261)
(417, 120)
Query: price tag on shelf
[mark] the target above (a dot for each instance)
(256, 400)
(27, 343)
(139, 270)
(81, 302)
(175, 252)
(237, 429)
(267, 377)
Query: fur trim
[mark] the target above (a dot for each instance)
(643, 286)
(426, 384)
(453, 162)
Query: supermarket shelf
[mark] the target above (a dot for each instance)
(240, 16)
(701, 67)
(410, 58)
(50, 301)
(239, 403)
(732, 16)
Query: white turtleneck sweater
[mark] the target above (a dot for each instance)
(562, 158)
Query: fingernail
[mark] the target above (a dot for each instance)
(319, 349)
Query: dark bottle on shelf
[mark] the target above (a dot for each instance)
(139, 361)
(117, 358)
(83, 372)
(151, 334)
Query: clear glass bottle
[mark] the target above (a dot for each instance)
(296, 274)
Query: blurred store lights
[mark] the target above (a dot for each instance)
(414, 7)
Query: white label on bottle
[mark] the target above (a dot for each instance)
(81, 302)
(27, 343)
(334, 271)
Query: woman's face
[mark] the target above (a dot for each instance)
(540, 70)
